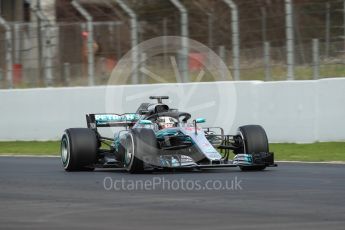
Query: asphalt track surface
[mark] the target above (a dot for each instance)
(35, 193)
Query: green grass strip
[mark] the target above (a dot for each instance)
(29, 148)
(320, 151)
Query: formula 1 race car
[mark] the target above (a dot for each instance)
(157, 137)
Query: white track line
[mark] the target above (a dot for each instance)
(28, 155)
(312, 162)
(299, 162)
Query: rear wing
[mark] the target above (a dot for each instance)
(111, 120)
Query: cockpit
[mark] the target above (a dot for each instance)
(161, 115)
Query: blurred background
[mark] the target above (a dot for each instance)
(53, 43)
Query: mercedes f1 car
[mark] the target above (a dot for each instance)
(157, 137)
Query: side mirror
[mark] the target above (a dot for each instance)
(145, 122)
(200, 120)
(197, 121)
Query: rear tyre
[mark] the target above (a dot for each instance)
(140, 143)
(79, 149)
(254, 141)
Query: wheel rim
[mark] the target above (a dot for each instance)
(129, 151)
(129, 155)
(65, 155)
(244, 143)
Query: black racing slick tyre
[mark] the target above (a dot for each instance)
(79, 149)
(254, 141)
(140, 143)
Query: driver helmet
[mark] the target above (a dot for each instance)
(166, 122)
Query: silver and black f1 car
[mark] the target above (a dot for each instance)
(157, 137)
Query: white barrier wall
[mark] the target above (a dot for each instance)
(290, 111)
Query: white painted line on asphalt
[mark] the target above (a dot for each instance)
(28, 155)
(299, 162)
(312, 162)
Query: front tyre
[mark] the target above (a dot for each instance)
(79, 149)
(254, 141)
(139, 144)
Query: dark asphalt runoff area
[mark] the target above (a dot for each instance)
(36, 193)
